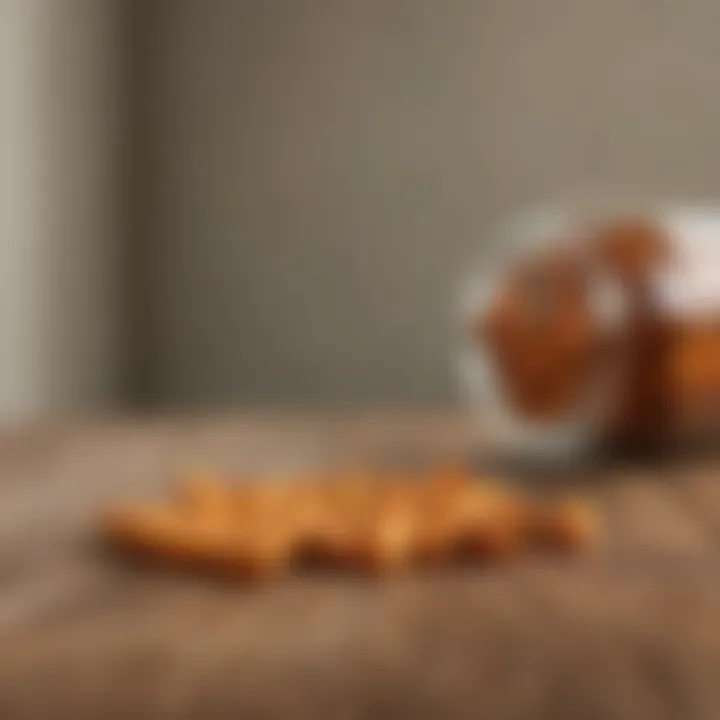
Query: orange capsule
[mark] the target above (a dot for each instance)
(494, 525)
(568, 526)
(386, 540)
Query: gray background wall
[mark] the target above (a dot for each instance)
(323, 168)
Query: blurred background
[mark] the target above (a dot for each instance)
(232, 203)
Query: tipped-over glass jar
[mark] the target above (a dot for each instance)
(593, 326)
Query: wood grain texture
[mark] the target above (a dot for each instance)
(629, 631)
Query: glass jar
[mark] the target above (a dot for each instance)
(594, 324)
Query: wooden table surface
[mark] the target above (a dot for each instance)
(630, 631)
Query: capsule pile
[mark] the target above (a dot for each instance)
(378, 526)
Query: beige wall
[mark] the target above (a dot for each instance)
(322, 169)
(59, 206)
